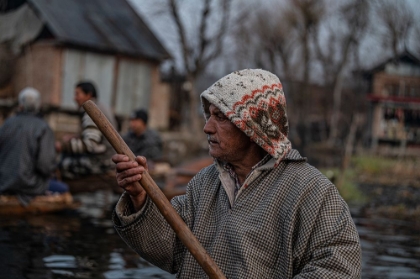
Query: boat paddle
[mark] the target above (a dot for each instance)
(156, 195)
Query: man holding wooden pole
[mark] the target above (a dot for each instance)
(260, 211)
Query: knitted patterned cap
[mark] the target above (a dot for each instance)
(254, 101)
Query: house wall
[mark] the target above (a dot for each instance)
(133, 86)
(63, 124)
(400, 101)
(383, 84)
(40, 67)
(159, 102)
(123, 83)
(86, 66)
(377, 121)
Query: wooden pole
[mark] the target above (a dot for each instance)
(162, 203)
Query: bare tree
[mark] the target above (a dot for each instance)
(416, 39)
(265, 40)
(396, 20)
(278, 38)
(203, 48)
(335, 56)
(195, 33)
(290, 42)
(304, 17)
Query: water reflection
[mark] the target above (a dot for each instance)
(72, 244)
(83, 244)
(391, 248)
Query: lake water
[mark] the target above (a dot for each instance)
(83, 244)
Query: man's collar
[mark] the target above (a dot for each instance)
(268, 162)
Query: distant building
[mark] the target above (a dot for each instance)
(51, 45)
(394, 97)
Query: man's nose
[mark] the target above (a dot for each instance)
(209, 126)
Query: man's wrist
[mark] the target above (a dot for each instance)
(138, 201)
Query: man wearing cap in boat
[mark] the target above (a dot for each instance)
(141, 139)
(28, 158)
(260, 211)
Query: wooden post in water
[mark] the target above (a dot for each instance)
(156, 195)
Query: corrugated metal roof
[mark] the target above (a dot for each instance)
(108, 25)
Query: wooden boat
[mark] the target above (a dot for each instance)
(92, 183)
(10, 205)
(171, 180)
(107, 181)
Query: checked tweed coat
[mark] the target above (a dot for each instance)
(290, 222)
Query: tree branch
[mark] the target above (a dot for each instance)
(182, 34)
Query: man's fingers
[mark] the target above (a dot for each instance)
(130, 179)
(142, 161)
(123, 166)
(128, 172)
(127, 176)
(132, 190)
(116, 158)
(129, 185)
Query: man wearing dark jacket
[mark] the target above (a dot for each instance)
(142, 140)
(27, 153)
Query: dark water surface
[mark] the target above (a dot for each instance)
(391, 248)
(83, 244)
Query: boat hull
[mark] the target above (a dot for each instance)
(10, 205)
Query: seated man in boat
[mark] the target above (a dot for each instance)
(28, 158)
(89, 152)
(142, 140)
(260, 210)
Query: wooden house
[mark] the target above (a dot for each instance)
(55, 44)
(394, 98)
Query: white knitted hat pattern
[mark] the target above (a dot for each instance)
(254, 101)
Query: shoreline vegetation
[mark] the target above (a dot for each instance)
(381, 186)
